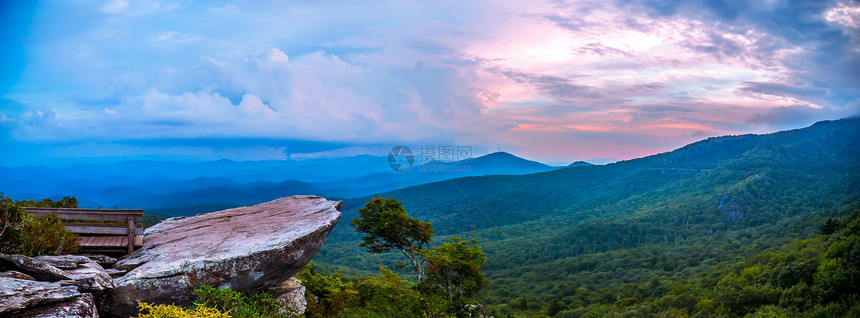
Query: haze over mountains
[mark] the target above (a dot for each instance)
(576, 235)
(190, 188)
(548, 234)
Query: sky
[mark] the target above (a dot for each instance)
(554, 81)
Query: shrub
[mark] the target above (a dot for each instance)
(238, 305)
(170, 311)
(219, 303)
(32, 236)
(46, 236)
(10, 226)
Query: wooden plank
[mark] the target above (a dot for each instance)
(138, 240)
(91, 216)
(122, 225)
(78, 210)
(104, 241)
(86, 241)
(131, 234)
(88, 214)
(100, 230)
(103, 250)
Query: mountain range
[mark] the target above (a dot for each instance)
(668, 215)
(191, 188)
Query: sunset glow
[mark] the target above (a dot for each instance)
(545, 79)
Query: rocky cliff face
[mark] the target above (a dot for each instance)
(66, 286)
(245, 249)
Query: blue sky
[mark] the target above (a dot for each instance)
(550, 80)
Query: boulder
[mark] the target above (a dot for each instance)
(63, 261)
(114, 273)
(16, 274)
(38, 269)
(292, 294)
(17, 294)
(244, 249)
(103, 260)
(82, 306)
(91, 276)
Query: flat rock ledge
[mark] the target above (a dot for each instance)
(245, 249)
(29, 298)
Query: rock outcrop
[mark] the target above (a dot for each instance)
(291, 293)
(84, 272)
(103, 260)
(19, 294)
(91, 276)
(35, 268)
(82, 306)
(16, 274)
(246, 249)
(63, 261)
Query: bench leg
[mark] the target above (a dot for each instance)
(130, 235)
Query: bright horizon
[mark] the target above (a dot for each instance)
(108, 81)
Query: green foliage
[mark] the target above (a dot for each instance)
(583, 236)
(455, 272)
(808, 278)
(829, 227)
(219, 303)
(10, 225)
(385, 295)
(32, 236)
(387, 227)
(331, 292)
(238, 305)
(45, 235)
(65, 202)
(171, 311)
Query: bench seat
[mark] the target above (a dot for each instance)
(109, 241)
(101, 230)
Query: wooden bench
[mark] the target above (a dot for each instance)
(101, 231)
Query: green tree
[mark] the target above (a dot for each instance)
(455, 270)
(10, 225)
(829, 227)
(387, 227)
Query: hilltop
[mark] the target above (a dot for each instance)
(565, 229)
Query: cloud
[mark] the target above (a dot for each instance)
(799, 115)
(115, 6)
(845, 14)
(641, 76)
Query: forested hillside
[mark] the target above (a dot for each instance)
(574, 237)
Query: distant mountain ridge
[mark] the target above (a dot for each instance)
(579, 227)
(580, 164)
(169, 185)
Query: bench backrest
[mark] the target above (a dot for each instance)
(114, 221)
(102, 222)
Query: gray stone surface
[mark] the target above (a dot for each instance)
(38, 269)
(17, 294)
(103, 260)
(63, 261)
(91, 276)
(292, 294)
(247, 248)
(82, 306)
(16, 274)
